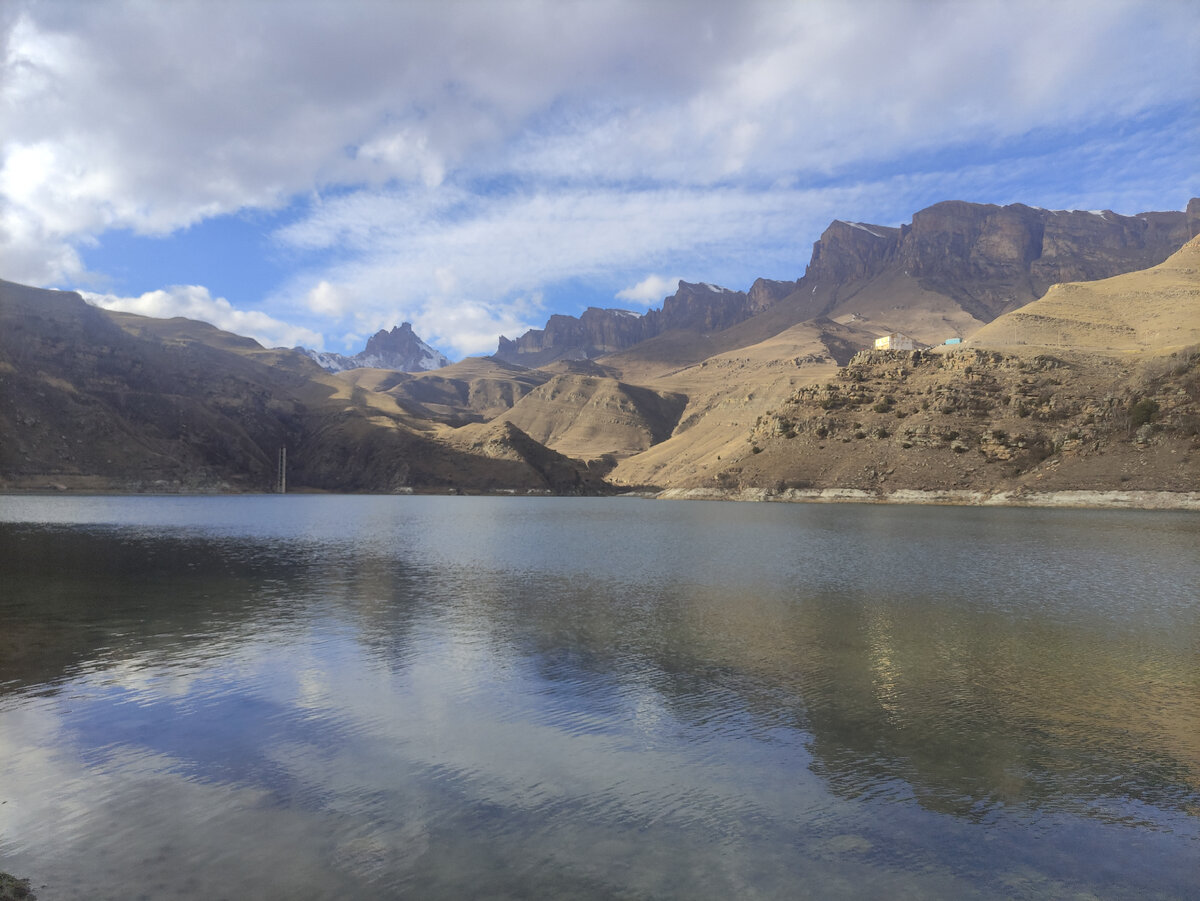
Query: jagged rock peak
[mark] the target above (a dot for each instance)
(702, 307)
(766, 292)
(399, 349)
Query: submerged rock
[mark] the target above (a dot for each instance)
(14, 889)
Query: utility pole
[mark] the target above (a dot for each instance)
(281, 483)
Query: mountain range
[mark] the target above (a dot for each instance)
(1077, 370)
(967, 262)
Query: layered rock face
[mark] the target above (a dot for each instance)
(978, 254)
(992, 259)
(765, 293)
(851, 250)
(596, 332)
(697, 307)
(1083, 246)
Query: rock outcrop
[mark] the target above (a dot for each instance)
(700, 307)
(851, 250)
(765, 293)
(977, 420)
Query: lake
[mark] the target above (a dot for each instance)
(466, 697)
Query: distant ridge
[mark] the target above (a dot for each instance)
(988, 259)
(698, 306)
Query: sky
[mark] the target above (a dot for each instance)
(310, 172)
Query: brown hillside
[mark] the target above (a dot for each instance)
(523, 465)
(112, 402)
(979, 420)
(726, 393)
(1155, 311)
(588, 417)
(476, 389)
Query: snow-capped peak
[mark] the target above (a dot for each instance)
(400, 350)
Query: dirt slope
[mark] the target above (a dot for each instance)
(726, 393)
(588, 417)
(1155, 311)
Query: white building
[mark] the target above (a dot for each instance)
(895, 341)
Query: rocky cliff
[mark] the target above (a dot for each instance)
(696, 307)
(765, 293)
(598, 331)
(990, 259)
(700, 307)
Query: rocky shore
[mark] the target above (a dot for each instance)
(14, 889)
(1130, 500)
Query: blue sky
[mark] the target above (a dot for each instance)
(310, 172)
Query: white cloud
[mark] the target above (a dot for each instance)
(406, 153)
(195, 302)
(471, 327)
(466, 269)
(650, 290)
(327, 300)
(689, 91)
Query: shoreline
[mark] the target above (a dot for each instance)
(1131, 499)
(965, 497)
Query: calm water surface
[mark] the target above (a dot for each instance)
(382, 697)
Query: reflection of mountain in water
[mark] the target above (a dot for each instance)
(968, 702)
(81, 598)
(970, 709)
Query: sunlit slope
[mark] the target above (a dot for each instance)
(726, 394)
(587, 416)
(894, 301)
(1155, 311)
